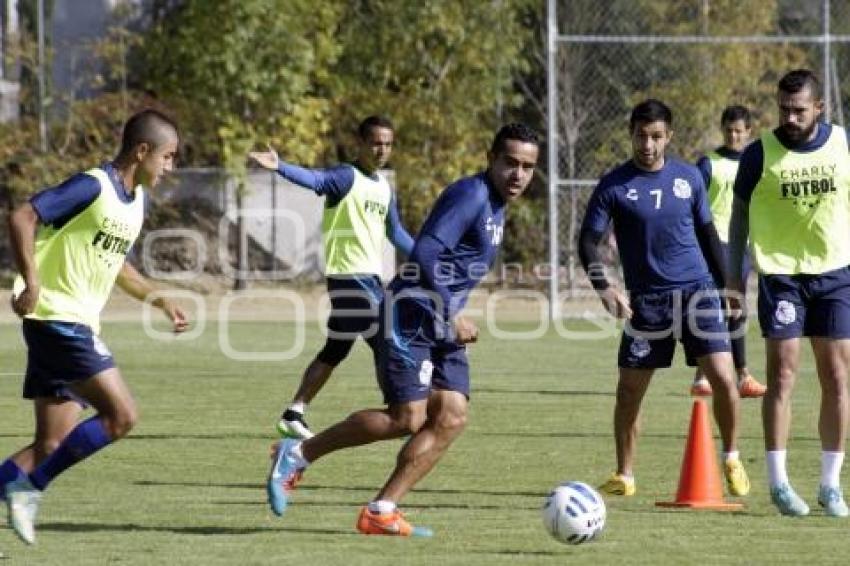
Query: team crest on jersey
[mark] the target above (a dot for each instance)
(640, 348)
(785, 312)
(495, 231)
(681, 188)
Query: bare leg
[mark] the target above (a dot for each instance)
(631, 388)
(365, 427)
(111, 398)
(718, 369)
(783, 357)
(54, 419)
(447, 411)
(833, 359)
(314, 378)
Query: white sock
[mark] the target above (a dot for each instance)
(298, 406)
(830, 468)
(381, 506)
(297, 456)
(777, 474)
(733, 455)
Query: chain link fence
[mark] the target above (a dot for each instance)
(698, 56)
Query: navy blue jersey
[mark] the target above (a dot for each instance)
(655, 215)
(334, 183)
(59, 204)
(752, 160)
(457, 244)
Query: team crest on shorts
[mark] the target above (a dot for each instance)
(681, 188)
(425, 371)
(640, 348)
(785, 312)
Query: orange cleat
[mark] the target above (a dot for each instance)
(749, 387)
(393, 524)
(701, 388)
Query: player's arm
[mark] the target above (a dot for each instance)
(706, 233)
(396, 233)
(704, 166)
(453, 214)
(593, 229)
(334, 182)
(749, 173)
(54, 206)
(137, 286)
(22, 226)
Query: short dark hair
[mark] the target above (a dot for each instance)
(146, 127)
(650, 110)
(366, 126)
(513, 131)
(798, 79)
(734, 113)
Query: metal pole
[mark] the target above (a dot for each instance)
(42, 125)
(274, 221)
(827, 79)
(551, 125)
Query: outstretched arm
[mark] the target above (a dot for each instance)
(138, 287)
(334, 182)
(22, 225)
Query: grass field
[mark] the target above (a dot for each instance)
(187, 486)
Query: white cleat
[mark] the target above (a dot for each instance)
(22, 500)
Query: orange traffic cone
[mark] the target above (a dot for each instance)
(699, 481)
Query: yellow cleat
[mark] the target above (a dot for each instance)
(737, 481)
(618, 484)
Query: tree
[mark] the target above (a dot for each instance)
(240, 72)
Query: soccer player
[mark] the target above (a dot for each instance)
(672, 262)
(360, 209)
(718, 169)
(424, 372)
(791, 201)
(70, 244)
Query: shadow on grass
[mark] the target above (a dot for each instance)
(184, 530)
(356, 504)
(577, 393)
(357, 488)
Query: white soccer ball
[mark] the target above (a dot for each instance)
(574, 513)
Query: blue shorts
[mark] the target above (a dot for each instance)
(413, 361)
(355, 310)
(60, 354)
(355, 306)
(791, 306)
(692, 315)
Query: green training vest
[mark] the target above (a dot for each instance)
(354, 230)
(720, 194)
(800, 208)
(78, 263)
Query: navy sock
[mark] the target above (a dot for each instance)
(87, 438)
(9, 471)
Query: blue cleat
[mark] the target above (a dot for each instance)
(832, 501)
(788, 502)
(283, 477)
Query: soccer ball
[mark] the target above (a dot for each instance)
(574, 513)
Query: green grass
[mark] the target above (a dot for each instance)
(187, 486)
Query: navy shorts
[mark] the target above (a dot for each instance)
(413, 360)
(355, 306)
(692, 315)
(60, 354)
(791, 306)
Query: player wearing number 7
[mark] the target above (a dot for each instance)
(672, 266)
